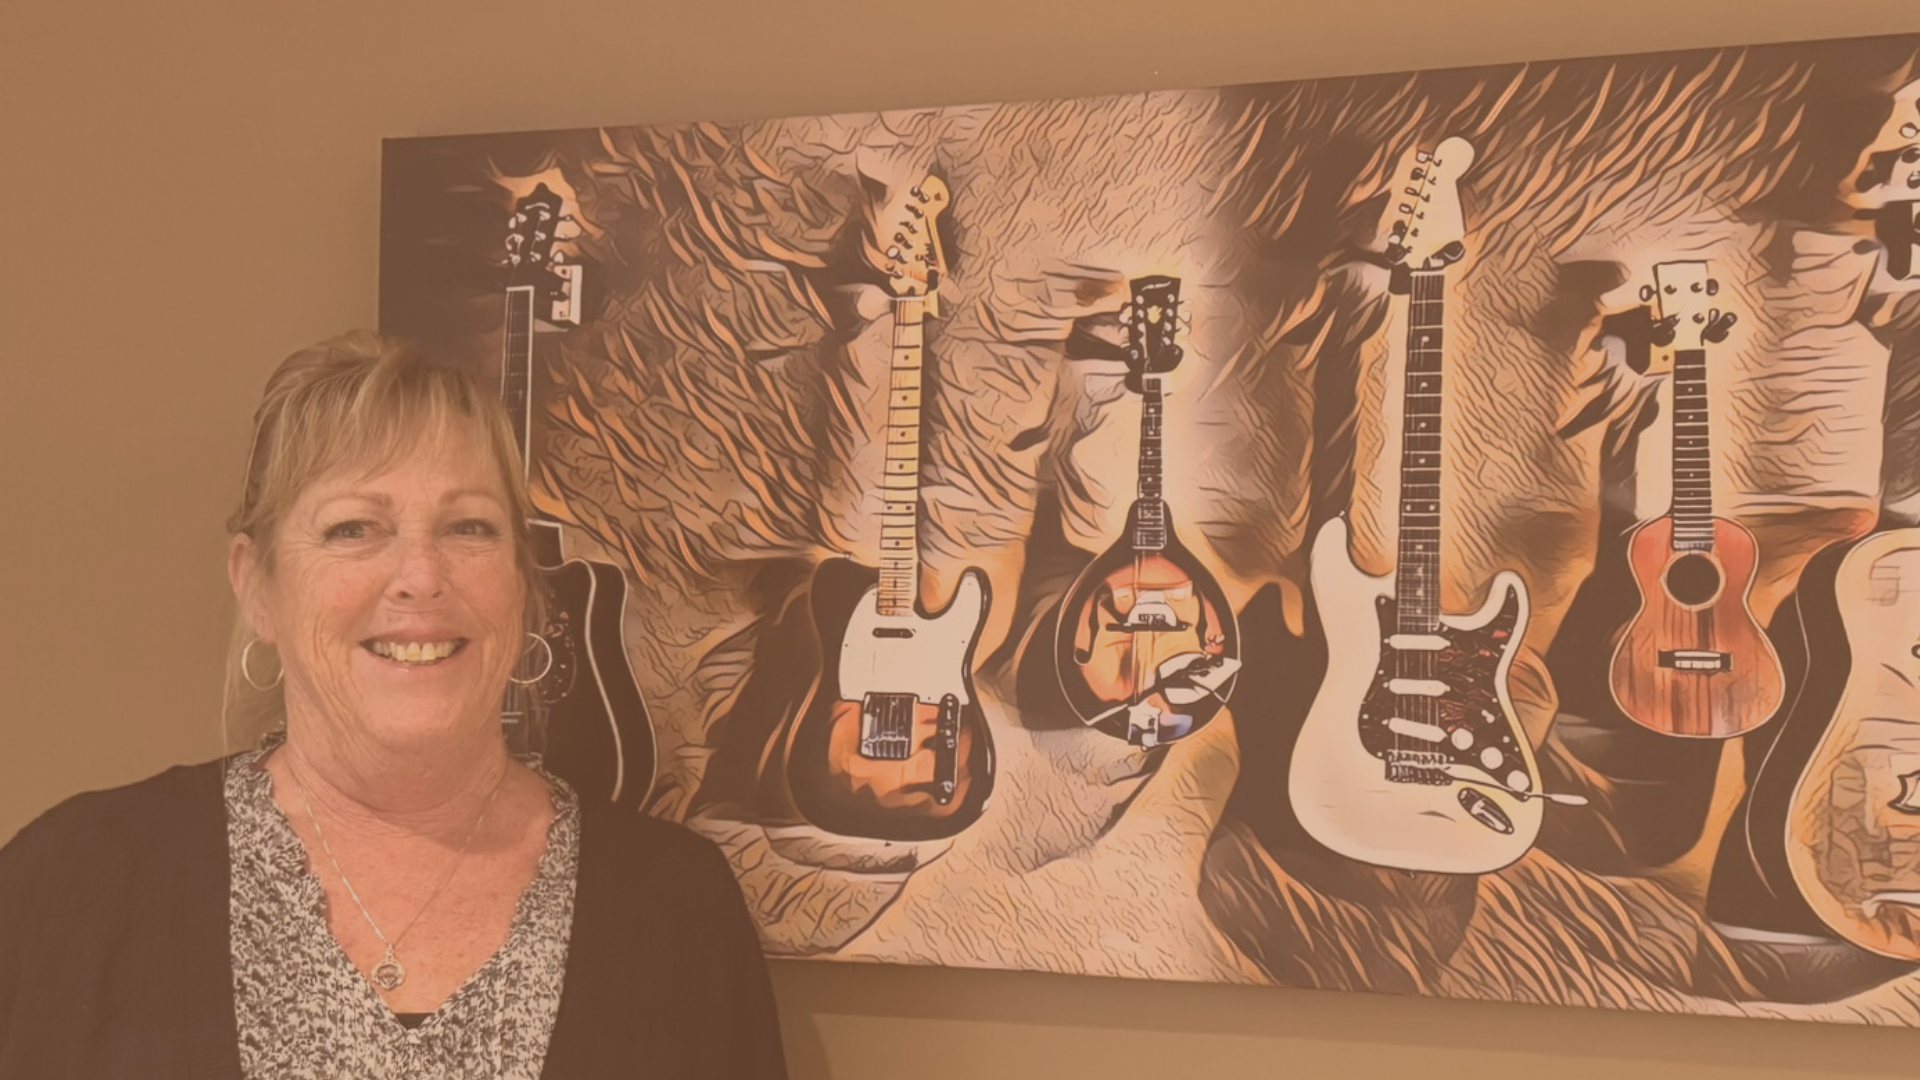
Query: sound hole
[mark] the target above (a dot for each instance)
(1693, 579)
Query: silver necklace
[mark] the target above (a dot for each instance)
(389, 973)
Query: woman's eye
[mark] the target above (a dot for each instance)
(349, 530)
(475, 527)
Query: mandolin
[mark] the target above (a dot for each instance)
(890, 742)
(598, 734)
(1147, 646)
(1693, 661)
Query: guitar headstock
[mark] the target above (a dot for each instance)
(533, 260)
(1429, 229)
(1153, 329)
(906, 243)
(1684, 310)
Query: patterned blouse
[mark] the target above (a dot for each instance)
(306, 1013)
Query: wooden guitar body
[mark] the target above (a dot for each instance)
(1853, 826)
(891, 742)
(599, 736)
(1140, 619)
(1412, 755)
(1694, 661)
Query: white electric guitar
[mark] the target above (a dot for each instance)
(891, 742)
(1412, 756)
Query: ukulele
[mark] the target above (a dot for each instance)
(598, 735)
(1853, 823)
(1412, 756)
(890, 742)
(1147, 645)
(1693, 661)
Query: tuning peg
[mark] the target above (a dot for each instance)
(1406, 208)
(1646, 294)
(918, 194)
(1399, 228)
(1910, 131)
(893, 253)
(1719, 323)
(1419, 173)
(1665, 330)
(1713, 286)
(1423, 157)
(916, 211)
(559, 257)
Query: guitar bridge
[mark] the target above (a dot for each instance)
(886, 727)
(1417, 767)
(1703, 661)
(886, 734)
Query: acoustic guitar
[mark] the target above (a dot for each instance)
(1853, 825)
(598, 734)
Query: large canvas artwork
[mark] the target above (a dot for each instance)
(1454, 533)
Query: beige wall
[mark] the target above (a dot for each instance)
(188, 191)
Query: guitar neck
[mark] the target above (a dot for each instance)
(1692, 458)
(516, 372)
(899, 589)
(1417, 573)
(1150, 517)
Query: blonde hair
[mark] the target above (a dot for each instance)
(365, 401)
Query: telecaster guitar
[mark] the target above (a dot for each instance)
(1853, 825)
(1694, 661)
(598, 734)
(1412, 755)
(890, 743)
(1147, 645)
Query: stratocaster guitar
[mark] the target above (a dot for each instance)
(1412, 755)
(598, 735)
(1147, 645)
(1693, 661)
(890, 743)
(1853, 825)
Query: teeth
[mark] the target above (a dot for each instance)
(415, 652)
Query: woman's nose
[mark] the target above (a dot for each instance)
(422, 573)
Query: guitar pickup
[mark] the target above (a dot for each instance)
(1418, 767)
(886, 727)
(1704, 661)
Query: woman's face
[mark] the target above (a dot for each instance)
(394, 599)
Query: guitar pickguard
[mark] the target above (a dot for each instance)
(1433, 705)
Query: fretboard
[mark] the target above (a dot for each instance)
(899, 588)
(1150, 519)
(1692, 457)
(1417, 574)
(516, 372)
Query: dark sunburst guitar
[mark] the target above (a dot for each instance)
(890, 742)
(1147, 645)
(598, 734)
(1694, 661)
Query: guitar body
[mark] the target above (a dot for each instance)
(891, 742)
(1853, 826)
(1694, 661)
(1412, 745)
(1135, 618)
(599, 736)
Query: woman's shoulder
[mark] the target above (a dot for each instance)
(99, 828)
(641, 850)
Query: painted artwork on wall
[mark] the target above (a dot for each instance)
(1454, 533)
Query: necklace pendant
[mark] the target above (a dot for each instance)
(388, 974)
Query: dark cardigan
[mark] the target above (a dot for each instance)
(114, 953)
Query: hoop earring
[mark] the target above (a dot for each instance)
(246, 671)
(544, 668)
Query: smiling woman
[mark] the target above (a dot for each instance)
(379, 886)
